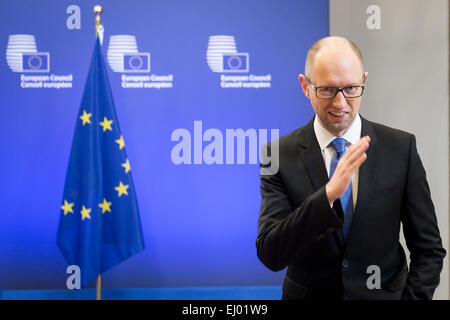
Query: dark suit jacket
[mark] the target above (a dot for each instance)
(298, 229)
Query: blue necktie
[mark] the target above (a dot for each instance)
(347, 199)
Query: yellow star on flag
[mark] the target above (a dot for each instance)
(86, 117)
(67, 207)
(126, 165)
(106, 206)
(120, 142)
(85, 213)
(106, 124)
(122, 189)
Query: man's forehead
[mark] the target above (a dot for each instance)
(337, 65)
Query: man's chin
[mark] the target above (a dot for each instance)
(338, 129)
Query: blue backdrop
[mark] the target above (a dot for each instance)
(199, 220)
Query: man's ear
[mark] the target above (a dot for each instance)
(366, 75)
(305, 85)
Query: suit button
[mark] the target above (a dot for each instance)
(345, 263)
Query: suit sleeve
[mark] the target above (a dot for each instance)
(421, 232)
(284, 231)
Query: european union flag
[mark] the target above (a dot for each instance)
(136, 62)
(36, 62)
(235, 62)
(99, 224)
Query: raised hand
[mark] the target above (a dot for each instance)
(353, 158)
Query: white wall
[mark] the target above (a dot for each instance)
(408, 63)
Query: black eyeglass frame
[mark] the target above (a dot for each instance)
(337, 90)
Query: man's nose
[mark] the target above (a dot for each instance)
(339, 100)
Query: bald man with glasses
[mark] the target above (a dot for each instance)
(332, 212)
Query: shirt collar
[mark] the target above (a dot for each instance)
(324, 137)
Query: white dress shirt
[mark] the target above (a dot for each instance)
(352, 136)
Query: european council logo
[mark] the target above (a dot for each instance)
(123, 55)
(22, 54)
(222, 55)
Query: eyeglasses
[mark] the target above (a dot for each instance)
(331, 92)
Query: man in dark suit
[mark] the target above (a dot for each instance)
(332, 211)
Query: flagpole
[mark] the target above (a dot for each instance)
(99, 287)
(98, 10)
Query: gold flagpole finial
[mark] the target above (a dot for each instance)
(98, 10)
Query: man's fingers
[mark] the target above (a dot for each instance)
(352, 159)
(360, 160)
(363, 143)
(354, 152)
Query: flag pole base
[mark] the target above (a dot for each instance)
(99, 287)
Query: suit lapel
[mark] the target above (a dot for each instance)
(311, 156)
(367, 171)
(312, 159)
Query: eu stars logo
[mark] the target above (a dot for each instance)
(222, 57)
(122, 189)
(105, 206)
(86, 117)
(22, 56)
(67, 207)
(85, 213)
(106, 124)
(124, 57)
